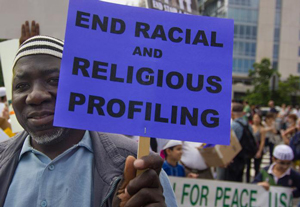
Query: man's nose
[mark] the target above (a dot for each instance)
(38, 95)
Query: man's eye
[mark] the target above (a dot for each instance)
(53, 80)
(22, 86)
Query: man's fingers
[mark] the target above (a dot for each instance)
(150, 197)
(151, 161)
(32, 32)
(37, 29)
(27, 31)
(148, 179)
(23, 30)
(129, 171)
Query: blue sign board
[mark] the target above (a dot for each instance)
(138, 71)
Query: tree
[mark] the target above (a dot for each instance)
(260, 76)
(288, 90)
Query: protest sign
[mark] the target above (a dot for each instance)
(8, 50)
(144, 72)
(207, 193)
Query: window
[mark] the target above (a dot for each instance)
(242, 31)
(236, 30)
(276, 34)
(275, 65)
(253, 49)
(248, 32)
(234, 64)
(277, 18)
(275, 51)
(299, 52)
(254, 32)
(298, 67)
(240, 65)
(247, 48)
(278, 4)
(235, 48)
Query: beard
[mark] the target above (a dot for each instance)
(51, 138)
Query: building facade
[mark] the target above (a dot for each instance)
(262, 29)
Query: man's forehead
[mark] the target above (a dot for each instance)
(33, 63)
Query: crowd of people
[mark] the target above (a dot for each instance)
(275, 132)
(42, 146)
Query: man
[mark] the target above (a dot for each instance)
(272, 107)
(54, 166)
(234, 171)
(247, 111)
(193, 162)
(280, 172)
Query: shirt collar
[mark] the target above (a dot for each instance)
(270, 171)
(86, 142)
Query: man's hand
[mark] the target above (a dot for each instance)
(258, 155)
(26, 32)
(192, 175)
(264, 184)
(143, 190)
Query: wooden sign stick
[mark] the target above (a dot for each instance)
(143, 150)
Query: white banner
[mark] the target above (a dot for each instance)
(211, 193)
(8, 50)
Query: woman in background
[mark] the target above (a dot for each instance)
(259, 134)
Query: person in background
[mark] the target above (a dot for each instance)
(280, 172)
(193, 162)
(172, 152)
(247, 111)
(272, 107)
(28, 31)
(235, 170)
(291, 128)
(259, 134)
(270, 131)
(3, 100)
(4, 115)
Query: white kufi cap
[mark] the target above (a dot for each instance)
(283, 152)
(172, 143)
(2, 91)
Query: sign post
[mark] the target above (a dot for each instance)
(143, 149)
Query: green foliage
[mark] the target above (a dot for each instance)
(260, 75)
(287, 90)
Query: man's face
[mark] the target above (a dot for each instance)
(282, 165)
(34, 90)
(175, 153)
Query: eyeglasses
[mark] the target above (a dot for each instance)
(284, 163)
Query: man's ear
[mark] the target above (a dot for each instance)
(168, 151)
